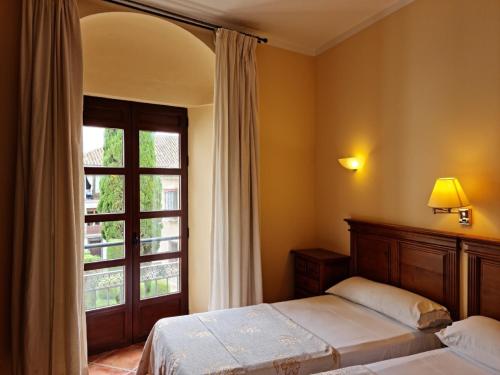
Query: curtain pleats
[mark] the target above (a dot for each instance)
(236, 277)
(48, 319)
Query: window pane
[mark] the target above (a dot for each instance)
(158, 150)
(104, 241)
(104, 287)
(160, 235)
(159, 278)
(160, 193)
(102, 147)
(104, 194)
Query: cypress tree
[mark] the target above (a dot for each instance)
(112, 192)
(150, 191)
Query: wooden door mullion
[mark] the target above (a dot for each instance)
(136, 244)
(129, 197)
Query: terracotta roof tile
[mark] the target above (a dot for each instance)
(166, 150)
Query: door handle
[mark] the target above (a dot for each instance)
(135, 239)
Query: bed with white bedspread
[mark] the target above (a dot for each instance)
(293, 337)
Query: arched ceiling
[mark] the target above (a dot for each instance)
(144, 58)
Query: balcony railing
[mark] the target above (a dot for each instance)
(104, 288)
(143, 241)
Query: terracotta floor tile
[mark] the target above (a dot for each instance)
(127, 358)
(95, 369)
(95, 357)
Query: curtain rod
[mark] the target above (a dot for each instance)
(175, 16)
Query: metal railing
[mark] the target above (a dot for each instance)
(121, 243)
(108, 281)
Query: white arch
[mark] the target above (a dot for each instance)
(144, 58)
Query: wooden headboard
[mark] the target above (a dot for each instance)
(423, 261)
(483, 279)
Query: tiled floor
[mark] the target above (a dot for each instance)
(116, 362)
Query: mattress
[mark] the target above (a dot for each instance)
(435, 362)
(360, 335)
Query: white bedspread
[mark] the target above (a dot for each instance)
(256, 339)
(435, 362)
(293, 337)
(360, 335)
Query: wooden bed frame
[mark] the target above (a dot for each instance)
(423, 261)
(483, 273)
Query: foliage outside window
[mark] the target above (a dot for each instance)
(111, 187)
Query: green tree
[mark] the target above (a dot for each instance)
(150, 191)
(111, 187)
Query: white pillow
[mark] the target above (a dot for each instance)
(407, 307)
(477, 337)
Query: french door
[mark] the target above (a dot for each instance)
(135, 235)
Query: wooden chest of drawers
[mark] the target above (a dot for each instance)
(318, 269)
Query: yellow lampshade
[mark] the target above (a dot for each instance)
(448, 193)
(352, 163)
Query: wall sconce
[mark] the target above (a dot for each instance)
(352, 163)
(449, 197)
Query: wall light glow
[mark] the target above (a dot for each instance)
(352, 163)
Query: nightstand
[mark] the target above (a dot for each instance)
(316, 270)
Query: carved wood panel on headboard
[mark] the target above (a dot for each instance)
(423, 261)
(483, 277)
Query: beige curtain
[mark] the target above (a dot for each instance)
(236, 278)
(47, 309)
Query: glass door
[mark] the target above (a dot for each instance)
(160, 215)
(135, 235)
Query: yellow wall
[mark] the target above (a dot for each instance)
(419, 94)
(10, 13)
(201, 135)
(132, 55)
(89, 7)
(287, 159)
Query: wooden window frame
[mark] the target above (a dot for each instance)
(121, 325)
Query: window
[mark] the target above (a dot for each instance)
(135, 235)
(172, 199)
